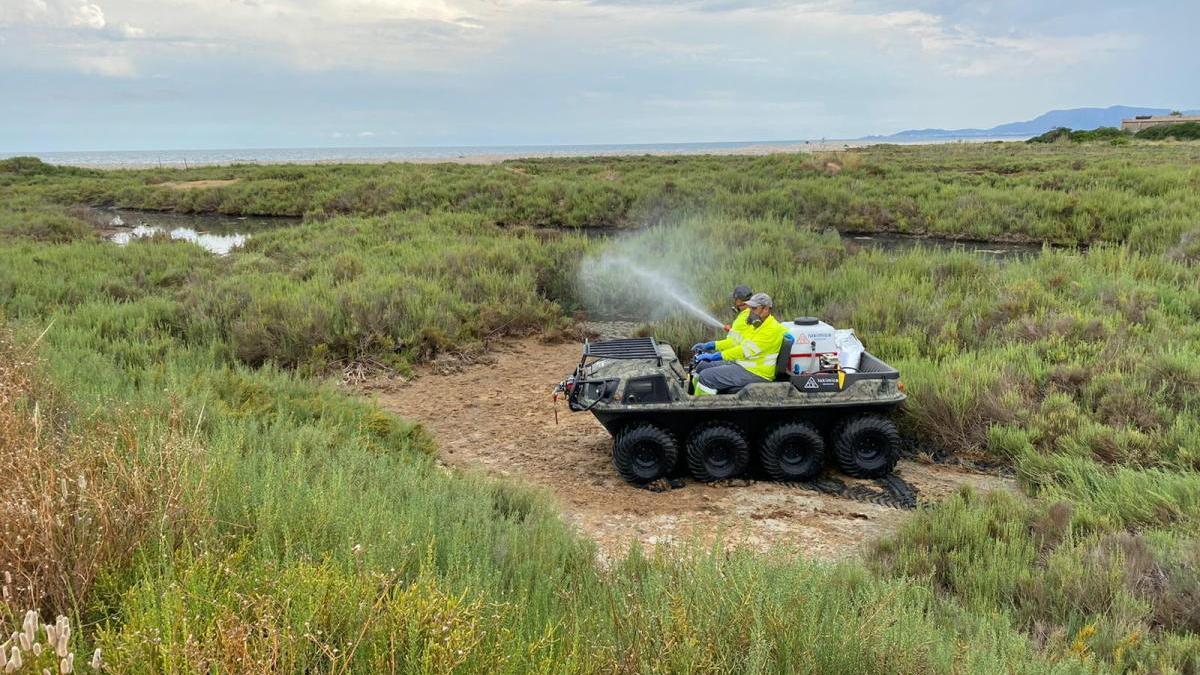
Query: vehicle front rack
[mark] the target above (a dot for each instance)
(628, 348)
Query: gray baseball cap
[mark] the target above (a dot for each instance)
(760, 300)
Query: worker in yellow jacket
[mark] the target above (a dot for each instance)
(741, 293)
(737, 364)
(734, 331)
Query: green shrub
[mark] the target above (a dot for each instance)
(1054, 135)
(1184, 131)
(26, 166)
(30, 219)
(1111, 134)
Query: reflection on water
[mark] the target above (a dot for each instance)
(900, 242)
(215, 233)
(221, 244)
(221, 234)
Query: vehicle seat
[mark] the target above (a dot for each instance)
(784, 359)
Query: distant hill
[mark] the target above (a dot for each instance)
(1074, 118)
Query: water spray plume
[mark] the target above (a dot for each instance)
(665, 285)
(617, 284)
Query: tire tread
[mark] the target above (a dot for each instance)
(644, 431)
(712, 431)
(772, 447)
(844, 445)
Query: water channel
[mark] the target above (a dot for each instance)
(221, 234)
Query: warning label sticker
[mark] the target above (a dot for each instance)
(819, 382)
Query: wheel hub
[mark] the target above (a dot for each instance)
(645, 457)
(871, 447)
(792, 455)
(720, 456)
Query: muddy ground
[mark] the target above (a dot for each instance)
(497, 416)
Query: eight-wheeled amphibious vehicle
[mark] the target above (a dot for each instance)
(830, 398)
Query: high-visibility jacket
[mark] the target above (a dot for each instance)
(758, 349)
(736, 329)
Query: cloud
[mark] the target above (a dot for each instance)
(893, 36)
(966, 52)
(715, 6)
(957, 49)
(444, 36)
(734, 102)
(258, 73)
(88, 15)
(70, 34)
(60, 20)
(113, 65)
(54, 14)
(469, 71)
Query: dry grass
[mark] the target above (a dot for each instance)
(39, 647)
(196, 184)
(80, 499)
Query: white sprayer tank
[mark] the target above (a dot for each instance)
(814, 338)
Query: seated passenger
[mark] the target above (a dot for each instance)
(747, 362)
(740, 295)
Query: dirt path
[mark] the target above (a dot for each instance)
(499, 417)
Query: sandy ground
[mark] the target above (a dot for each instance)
(498, 417)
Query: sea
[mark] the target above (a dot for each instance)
(481, 153)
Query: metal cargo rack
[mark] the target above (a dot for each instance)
(628, 348)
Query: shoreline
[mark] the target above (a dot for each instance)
(475, 158)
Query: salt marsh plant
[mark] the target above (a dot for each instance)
(79, 502)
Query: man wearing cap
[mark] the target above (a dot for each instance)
(740, 295)
(751, 360)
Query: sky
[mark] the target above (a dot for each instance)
(176, 74)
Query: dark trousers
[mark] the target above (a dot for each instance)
(727, 378)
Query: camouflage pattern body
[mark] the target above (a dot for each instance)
(620, 391)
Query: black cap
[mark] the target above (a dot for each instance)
(742, 292)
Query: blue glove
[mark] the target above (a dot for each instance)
(716, 356)
(704, 346)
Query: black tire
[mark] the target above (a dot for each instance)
(867, 446)
(792, 451)
(643, 453)
(717, 451)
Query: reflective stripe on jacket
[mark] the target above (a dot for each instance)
(736, 330)
(759, 348)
